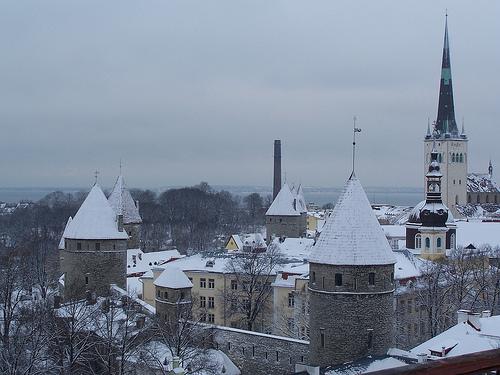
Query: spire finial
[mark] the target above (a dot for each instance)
(120, 166)
(354, 131)
(96, 176)
(428, 127)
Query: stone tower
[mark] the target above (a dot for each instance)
(430, 230)
(123, 204)
(351, 283)
(287, 215)
(93, 250)
(277, 168)
(173, 295)
(450, 144)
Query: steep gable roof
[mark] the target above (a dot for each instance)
(123, 204)
(285, 204)
(61, 241)
(301, 201)
(352, 234)
(95, 219)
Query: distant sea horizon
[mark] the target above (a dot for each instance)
(397, 196)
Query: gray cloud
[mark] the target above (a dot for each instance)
(185, 91)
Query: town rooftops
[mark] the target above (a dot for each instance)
(285, 204)
(95, 219)
(352, 234)
(123, 204)
(481, 183)
(173, 278)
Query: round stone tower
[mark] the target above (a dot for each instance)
(351, 283)
(173, 295)
(93, 250)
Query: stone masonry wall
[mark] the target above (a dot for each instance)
(260, 354)
(101, 268)
(286, 226)
(353, 320)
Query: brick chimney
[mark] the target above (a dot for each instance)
(277, 168)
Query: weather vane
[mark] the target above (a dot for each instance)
(96, 175)
(354, 131)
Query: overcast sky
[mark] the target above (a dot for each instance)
(185, 91)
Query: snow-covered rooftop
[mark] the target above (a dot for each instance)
(481, 183)
(285, 204)
(464, 338)
(478, 233)
(301, 201)
(140, 262)
(95, 219)
(172, 277)
(122, 203)
(352, 234)
(295, 248)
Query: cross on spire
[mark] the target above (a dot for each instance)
(96, 175)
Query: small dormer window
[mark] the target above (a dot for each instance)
(210, 263)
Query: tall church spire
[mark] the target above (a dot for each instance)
(445, 123)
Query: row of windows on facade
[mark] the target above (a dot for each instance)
(338, 279)
(97, 246)
(211, 302)
(454, 157)
(164, 295)
(234, 284)
(253, 353)
(439, 242)
(207, 318)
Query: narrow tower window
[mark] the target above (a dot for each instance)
(438, 242)
(427, 242)
(371, 278)
(338, 279)
(418, 241)
(322, 338)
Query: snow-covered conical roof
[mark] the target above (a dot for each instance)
(123, 204)
(285, 204)
(95, 219)
(61, 241)
(172, 277)
(352, 234)
(301, 201)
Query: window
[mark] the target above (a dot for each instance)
(211, 318)
(277, 356)
(203, 283)
(418, 241)
(158, 293)
(203, 318)
(323, 282)
(392, 277)
(322, 338)
(452, 242)
(234, 285)
(438, 242)
(461, 158)
(253, 350)
(371, 278)
(165, 295)
(86, 280)
(427, 242)
(98, 246)
(203, 301)
(338, 279)
(78, 245)
(453, 158)
(211, 302)
(409, 306)
(211, 283)
(313, 277)
(456, 199)
(182, 296)
(291, 300)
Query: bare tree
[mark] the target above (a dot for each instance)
(249, 298)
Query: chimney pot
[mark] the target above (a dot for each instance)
(421, 358)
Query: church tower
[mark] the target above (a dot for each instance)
(351, 283)
(430, 230)
(450, 144)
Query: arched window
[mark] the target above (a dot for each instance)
(427, 242)
(452, 242)
(453, 157)
(418, 241)
(456, 199)
(461, 158)
(438, 243)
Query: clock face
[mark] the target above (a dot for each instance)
(433, 187)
